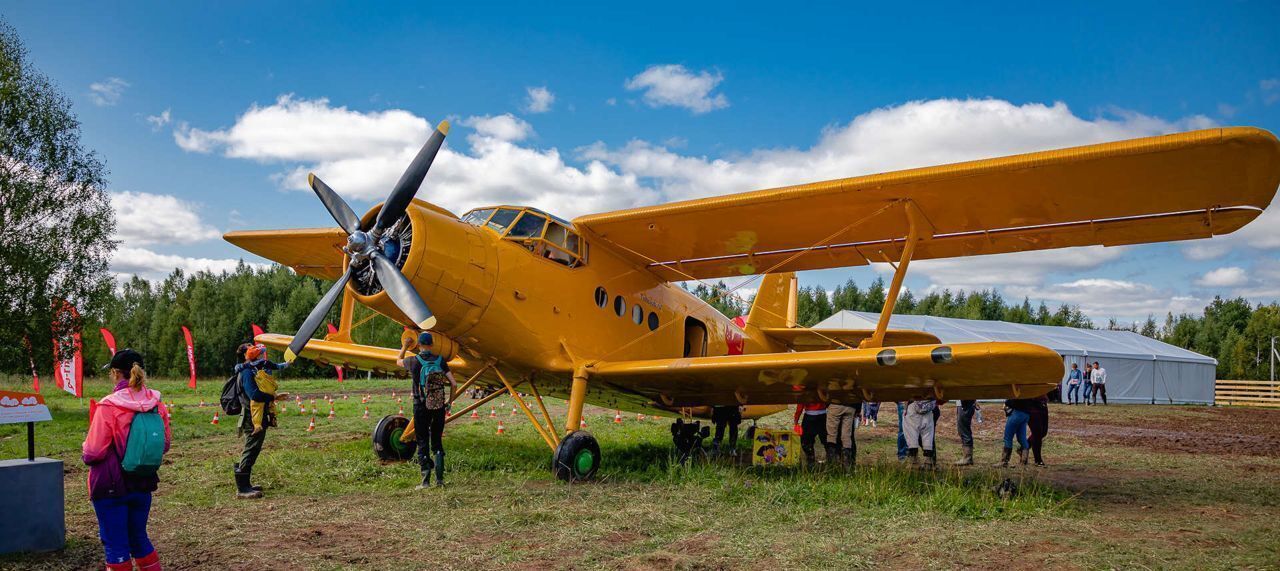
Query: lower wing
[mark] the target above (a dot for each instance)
(957, 371)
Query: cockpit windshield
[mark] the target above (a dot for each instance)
(540, 233)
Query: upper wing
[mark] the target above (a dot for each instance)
(805, 339)
(972, 371)
(1174, 187)
(309, 251)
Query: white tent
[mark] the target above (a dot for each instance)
(1139, 369)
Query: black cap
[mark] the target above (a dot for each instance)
(124, 359)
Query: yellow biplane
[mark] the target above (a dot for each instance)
(586, 310)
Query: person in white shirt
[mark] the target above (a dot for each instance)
(1099, 383)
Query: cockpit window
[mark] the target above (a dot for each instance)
(542, 234)
(502, 218)
(529, 226)
(478, 217)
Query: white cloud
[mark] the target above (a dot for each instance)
(1101, 298)
(673, 85)
(1270, 90)
(144, 219)
(1230, 276)
(107, 92)
(159, 121)
(505, 127)
(915, 134)
(1016, 269)
(129, 261)
(539, 99)
(308, 130)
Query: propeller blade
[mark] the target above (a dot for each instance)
(317, 316)
(402, 292)
(336, 206)
(404, 190)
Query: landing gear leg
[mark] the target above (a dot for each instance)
(578, 455)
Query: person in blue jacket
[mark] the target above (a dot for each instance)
(1074, 378)
(253, 360)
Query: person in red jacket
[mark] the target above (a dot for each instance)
(122, 500)
(812, 427)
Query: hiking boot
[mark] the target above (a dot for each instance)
(966, 457)
(245, 491)
(847, 456)
(1004, 458)
(440, 468)
(236, 468)
(914, 455)
(1023, 453)
(930, 459)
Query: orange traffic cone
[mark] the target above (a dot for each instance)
(215, 418)
(201, 403)
(366, 412)
(513, 410)
(617, 418)
(582, 423)
(365, 400)
(331, 413)
(393, 393)
(344, 396)
(284, 408)
(501, 429)
(493, 413)
(475, 414)
(313, 406)
(402, 410)
(311, 427)
(639, 416)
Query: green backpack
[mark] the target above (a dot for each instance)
(145, 448)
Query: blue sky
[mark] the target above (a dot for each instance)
(649, 103)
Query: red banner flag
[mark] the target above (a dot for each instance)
(333, 330)
(191, 356)
(256, 330)
(35, 378)
(93, 409)
(68, 370)
(109, 339)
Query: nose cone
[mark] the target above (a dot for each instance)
(452, 265)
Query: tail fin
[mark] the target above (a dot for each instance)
(775, 304)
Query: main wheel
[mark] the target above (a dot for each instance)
(577, 457)
(386, 439)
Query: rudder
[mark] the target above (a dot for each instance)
(775, 304)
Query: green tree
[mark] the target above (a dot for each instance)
(56, 218)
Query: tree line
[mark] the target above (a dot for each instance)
(1233, 331)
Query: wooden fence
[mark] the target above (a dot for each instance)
(1247, 393)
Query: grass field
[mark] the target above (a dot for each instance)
(1127, 487)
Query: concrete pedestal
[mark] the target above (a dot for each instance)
(34, 505)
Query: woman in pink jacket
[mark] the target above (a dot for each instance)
(121, 499)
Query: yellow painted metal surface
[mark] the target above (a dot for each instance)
(803, 339)
(1114, 193)
(648, 345)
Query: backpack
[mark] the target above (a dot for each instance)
(144, 450)
(232, 396)
(432, 380)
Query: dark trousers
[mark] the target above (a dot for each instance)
(964, 421)
(813, 427)
(1039, 425)
(1099, 390)
(428, 427)
(902, 439)
(252, 446)
(725, 417)
(122, 526)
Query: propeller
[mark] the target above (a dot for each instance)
(365, 246)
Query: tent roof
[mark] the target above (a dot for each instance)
(1064, 340)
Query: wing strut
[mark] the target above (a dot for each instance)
(914, 223)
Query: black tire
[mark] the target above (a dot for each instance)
(577, 457)
(386, 439)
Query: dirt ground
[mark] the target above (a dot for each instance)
(1127, 486)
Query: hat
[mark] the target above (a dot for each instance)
(254, 352)
(125, 359)
(424, 338)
